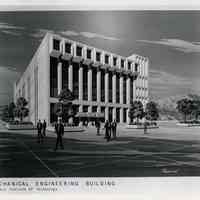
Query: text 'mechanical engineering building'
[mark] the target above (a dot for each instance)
(103, 83)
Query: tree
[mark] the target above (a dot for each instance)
(64, 107)
(152, 111)
(136, 111)
(5, 115)
(185, 107)
(195, 105)
(21, 110)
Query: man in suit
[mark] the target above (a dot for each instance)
(114, 129)
(107, 127)
(59, 129)
(98, 125)
(39, 129)
(44, 125)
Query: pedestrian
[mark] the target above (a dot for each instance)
(39, 129)
(145, 127)
(44, 126)
(107, 130)
(114, 129)
(98, 125)
(59, 129)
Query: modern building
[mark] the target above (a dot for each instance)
(103, 83)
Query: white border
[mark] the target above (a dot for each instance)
(11, 5)
(149, 188)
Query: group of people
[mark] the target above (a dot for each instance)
(41, 128)
(110, 130)
(59, 129)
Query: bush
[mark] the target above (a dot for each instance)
(20, 123)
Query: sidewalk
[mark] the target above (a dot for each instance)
(165, 132)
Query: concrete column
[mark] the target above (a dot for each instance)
(99, 109)
(114, 113)
(128, 120)
(106, 113)
(134, 90)
(106, 87)
(89, 84)
(121, 81)
(90, 110)
(70, 77)
(121, 115)
(98, 86)
(80, 84)
(114, 78)
(59, 71)
(128, 86)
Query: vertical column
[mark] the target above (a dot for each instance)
(114, 78)
(128, 98)
(80, 84)
(59, 77)
(89, 90)
(98, 86)
(99, 109)
(106, 94)
(89, 84)
(128, 90)
(80, 109)
(121, 89)
(128, 120)
(134, 90)
(59, 80)
(70, 76)
(106, 86)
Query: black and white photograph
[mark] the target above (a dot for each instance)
(99, 93)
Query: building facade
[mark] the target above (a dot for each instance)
(103, 83)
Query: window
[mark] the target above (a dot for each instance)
(68, 47)
(106, 59)
(129, 65)
(114, 61)
(56, 44)
(23, 90)
(136, 67)
(122, 63)
(53, 77)
(89, 54)
(98, 56)
(79, 51)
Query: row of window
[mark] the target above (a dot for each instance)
(141, 88)
(98, 54)
(54, 85)
(141, 98)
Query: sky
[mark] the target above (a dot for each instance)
(170, 39)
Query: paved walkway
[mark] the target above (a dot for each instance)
(166, 130)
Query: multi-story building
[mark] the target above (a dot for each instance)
(103, 83)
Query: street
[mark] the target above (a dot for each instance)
(138, 155)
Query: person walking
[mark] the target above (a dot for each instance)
(44, 126)
(98, 125)
(39, 129)
(114, 129)
(59, 129)
(145, 127)
(107, 130)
